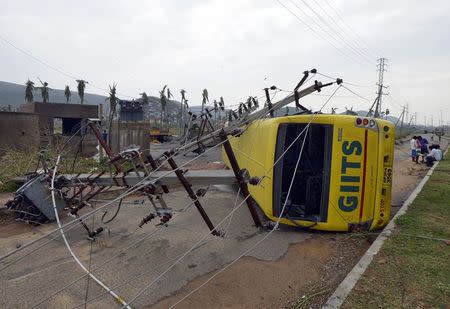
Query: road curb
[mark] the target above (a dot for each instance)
(343, 290)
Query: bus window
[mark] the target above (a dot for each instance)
(308, 199)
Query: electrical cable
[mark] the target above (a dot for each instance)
(350, 28)
(52, 188)
(131, 190)
(55, 68)
(317, 33)
(361, 50)
(223, 220)
(278, 219)
(356, 94)
(340, 40)
(114, 216)
(58, 158)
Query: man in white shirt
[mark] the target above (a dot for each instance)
(435, 155)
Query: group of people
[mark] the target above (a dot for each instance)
(420, 148)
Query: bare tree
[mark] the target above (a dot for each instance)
(29, 91)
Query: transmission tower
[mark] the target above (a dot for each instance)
(381, 68)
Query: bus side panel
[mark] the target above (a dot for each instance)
(255, 150)
(347, 175)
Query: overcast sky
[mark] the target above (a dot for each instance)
(235, 48)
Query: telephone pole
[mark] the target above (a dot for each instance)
(381, 68)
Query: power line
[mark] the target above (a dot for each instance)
(345, 82)
(316, 32)
(275, 227)
(356, 94)
(363, 49)
(344, 41)
(36, 59)
(51, 67)
(337, 40)
(349, 27)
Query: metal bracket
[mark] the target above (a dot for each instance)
(188, 187)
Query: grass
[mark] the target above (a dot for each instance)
(16, 163)
(412, 270)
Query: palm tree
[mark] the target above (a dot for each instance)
(80, 87)
(144, 98)
(29, 91)
(216, 107)
(112, 108)
(221, 107)
(163, 101)
(67, 93)
(205, 98)
(44, 91)
(183, 99)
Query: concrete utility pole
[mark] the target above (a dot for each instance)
(381, 69)
(401, 119)
(407, 111)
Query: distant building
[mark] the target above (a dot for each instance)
(131, 111)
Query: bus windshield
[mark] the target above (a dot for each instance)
(308, 199)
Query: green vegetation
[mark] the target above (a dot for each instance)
(16, 163)
(412, 270)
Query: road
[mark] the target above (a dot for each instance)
(287, 264)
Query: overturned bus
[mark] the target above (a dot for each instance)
(344, 177)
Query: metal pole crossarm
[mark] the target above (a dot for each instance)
(213, 136)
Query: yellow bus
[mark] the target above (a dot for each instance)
(344, 178)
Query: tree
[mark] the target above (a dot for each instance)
(163, 101)
(205, 98)
(67, 93)
(216, 107)
(222, 106)
(112, 108)
(29, 91)
(183, 99)
(44, 91)
(144, 98)
(80, 87)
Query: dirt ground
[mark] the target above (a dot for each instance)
(292, 269)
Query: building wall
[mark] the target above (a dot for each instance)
(126, 134)
(19, 130)
(60, 110)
